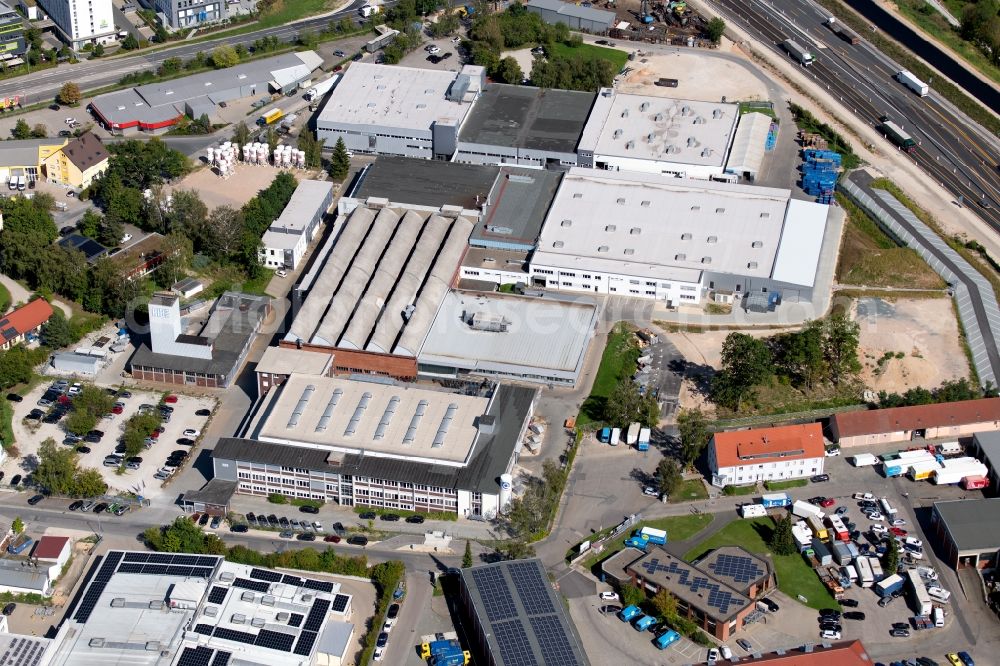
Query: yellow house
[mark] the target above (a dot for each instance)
(25, 158)
(78, 162)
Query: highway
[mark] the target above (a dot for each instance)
(959, 156)
(91, 74)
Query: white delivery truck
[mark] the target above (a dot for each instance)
(616, 435)
(863, 460)
(806, 510)
(913, 83)
(321, 88)
(799, 53)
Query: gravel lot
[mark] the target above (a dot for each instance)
(30, 434)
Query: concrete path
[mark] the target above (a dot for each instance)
(18, 294)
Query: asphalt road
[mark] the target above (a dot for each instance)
(91, 74)
(952, 150)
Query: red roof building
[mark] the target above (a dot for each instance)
(24, 321)
(902, 424)
(742, 457)
(50, 547)
(848, 653)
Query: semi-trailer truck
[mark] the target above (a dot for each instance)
(271, 117)
(887, 586)
(805, 509)
(843, 32)
(321, 88)
(802, 55)
(913, 83)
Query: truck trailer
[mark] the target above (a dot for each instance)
(913, 83)
(805, 509)
(752, 511)
(898, 135)
(775, 500)
(632, 434)
(271, 117)
(863, 460)
(652, 535)
(802, 55)
(887, 586)
(864, 569)
(954, 470)
(644, 436)
(322, 88)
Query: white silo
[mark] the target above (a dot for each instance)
(506, 490)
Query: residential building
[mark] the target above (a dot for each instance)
(25, 158)
(845, 653)
(969, 531)
(577, 17)
(156, 106)
(210, 356)
(24, 324)
(758, 455)
(381, 443)
(392, 110)
(157, 609)
(514, 616)
(659, 135)
(82, 22)
(986, 447)
(181, 14)
(903, 424)
(284, 243)
(52, 552)
(12, 40)
(717, 593)
(77, 163)
(606, 233)
(278, 363)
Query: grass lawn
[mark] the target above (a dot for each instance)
(679, 528)
(617, 362)
(795, 577)
(785, 485)
(691, 489)
(589, 52)
(732, 491)
(4, 298)
(869, 257)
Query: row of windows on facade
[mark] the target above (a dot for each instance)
(553, 283)
(245, 472)
(346, 492)
(588, 276)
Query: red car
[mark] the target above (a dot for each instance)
(64, 400)
(828, 502)
(170, 399)
(117, 410)
(332, 538)
(898, 532)
(155, 434)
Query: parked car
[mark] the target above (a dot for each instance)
(898, 522)
(13, 397)
(35, 499)
(239, 529)
(820, 478)
(390, 616)
(830, 635)
(358, 540)
(308, 509)
(286, 534)
(650, 491)
(744, 644)
(9, 608)
(216, 521)
(609, 596)
(897, 532)
(191, 432)
(828, 502)
(307, 536)
(415, 519)
(75, 505)
(390, 517)
(14, 480)
(850, 603)
(281, 273)
(367, 515)
(170, 399)
(184, 441)
(854, 615)
(331, 538)
(771, 606)
(204, 520)
(841, 510)
(100, 507)
(203, 412)
(899, 633)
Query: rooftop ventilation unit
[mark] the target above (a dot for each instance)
(390, 410)
(238, 618)
(156, 604)
(685, 110)
(686, 236)
(421, 106)
(487, 321)
(625, 113)
(152, 646)
(300, 406)
(283, 616)
(630, 145)
(706, 260)
(680, 257)
(443, 428)
(635, 231)
(629, 251)
(752, 265)
(566, 223)
(713, 239)
(620, 201)
(520, 178)
(695, 209)
(96, 642)
(716, 113)
(644, 204)
(757, 244)
(699, 121)
(720, 210)
(258, 622)
(650, 138)
(644, 106)
(324, 420)
(248, 596)
(658, 117)
(211, 611)
(764, 216)
(411, 430)
(359, 411)
(706, 152)
(578, 195)
(118, 602)
(557, 244)
(227, 577)
(603, 248)
(692, 142)
(617, 133)
(611, 228)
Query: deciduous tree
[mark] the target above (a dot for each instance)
(224, 56)
(668, 476)
(22, 130)
(70, 94)
(782, 541)
(715, 29)
(694, 435)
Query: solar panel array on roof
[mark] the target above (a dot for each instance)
(515, 650)
(22, 652)
(265, 574)
(97, 585)
(739, 568)
(340, 603)
(217, 595)
(196, 656)
(316, 615)
(493, 586)
(304, 645)
(255, 585)
(718, 598)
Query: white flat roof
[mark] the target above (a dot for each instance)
(281, 240)
(285, 361)
(379, 419)
(393, 96)
(662, 227)
(302, 207)
(801, 242)
(565, 326)
(660, 128)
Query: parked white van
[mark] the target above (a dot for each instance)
(938, 617)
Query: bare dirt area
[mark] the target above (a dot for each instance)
(236, 190)
(699, 76)
(922, 336)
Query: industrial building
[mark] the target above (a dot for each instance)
(658, 135)
(524, 125)
(80, 23)
(746, 155)
(77, 163)
(181, 14)
(515, 616)
(986, 447)
(969, 531)
(285, 241)
(381, 443)
(497, 336)
(743, 457)
(607, 233)
(24, 323)
(515, 208)
(156, 609)
(429, 183)
(278, 363)
(18, 578)
(577, 17)
(390, 110)
(717, 593)
(159, 105)
(845, 653)
(903, 424)
(210, 356)
(25, 157)
(12, 41)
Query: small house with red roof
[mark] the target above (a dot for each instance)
(24, 323)
(52, 553)
(743, 457)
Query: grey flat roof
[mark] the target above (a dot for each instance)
(233, 321)
(974, 524)
(518, 202)
(527, 117)
(519, 614)
(577, 11)
(565, 325)
(216, 491)
(13, 573)
(309, 197)
(426, 182)
(989, 443)
(285, 361)
(511, 406)
(24, 152)
(511, 261)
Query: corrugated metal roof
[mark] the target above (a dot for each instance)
(874, 421)
(801, 243)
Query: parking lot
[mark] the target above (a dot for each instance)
(141, 481)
